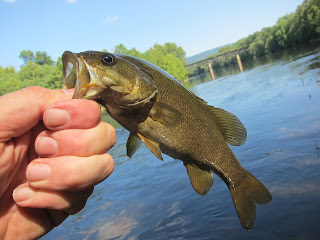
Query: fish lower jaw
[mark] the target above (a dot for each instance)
(126, 104)
(91, 91)
(91, 94)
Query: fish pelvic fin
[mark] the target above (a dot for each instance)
(201, 180)
(250, 192)
(133, 143)
(153, 146)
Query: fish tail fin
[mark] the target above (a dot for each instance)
(250, 192)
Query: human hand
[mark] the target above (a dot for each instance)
(52, 153)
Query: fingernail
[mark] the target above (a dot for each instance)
(46, 146)
(38, 172)
(57, 117)
(22, 194)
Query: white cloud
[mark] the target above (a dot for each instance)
(71, 1)
(110, 19)
(9, 1)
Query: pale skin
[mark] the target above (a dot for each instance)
(52, 153)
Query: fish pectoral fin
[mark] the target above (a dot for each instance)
(201, 180)
(232, 129)
(153, 146)
(165, 114)
(133, 143)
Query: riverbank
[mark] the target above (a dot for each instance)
(249, 64)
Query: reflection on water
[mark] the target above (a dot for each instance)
(145, 198)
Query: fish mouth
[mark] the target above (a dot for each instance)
(76, 75)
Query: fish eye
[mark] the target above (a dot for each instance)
(109, 59)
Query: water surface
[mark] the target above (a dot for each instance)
(279, 103)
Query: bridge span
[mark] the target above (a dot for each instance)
(212, 59)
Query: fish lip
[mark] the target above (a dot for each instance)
(70, 69)
(75, 74)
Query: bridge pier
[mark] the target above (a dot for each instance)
(211, 71)
(239, 62)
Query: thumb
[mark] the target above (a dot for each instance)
(23, 109)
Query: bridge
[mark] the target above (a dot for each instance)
(215, 58)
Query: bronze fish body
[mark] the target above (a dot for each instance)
(157, 109)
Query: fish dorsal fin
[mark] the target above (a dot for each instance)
(165, 114)
(232, 129)
(133, 143)
(153, 146)
(201, 180)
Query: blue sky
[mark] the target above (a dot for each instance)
(79, 25)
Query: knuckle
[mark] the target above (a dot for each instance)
(70, 177)
(109, 164)
(104, 167)
(81, 145)
(112, 137)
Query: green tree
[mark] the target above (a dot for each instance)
(47, 76)
(257, 47)
(59, 63)
(42, 58)
(169, 57)
(9, 80)
(172, 48)
(134, 52)
(26, 56)
(120, 49)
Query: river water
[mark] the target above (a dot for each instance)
(279, 103)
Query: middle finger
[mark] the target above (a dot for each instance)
(76, 142)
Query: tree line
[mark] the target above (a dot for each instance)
(40, 70)
(169, 57)
(302, 26)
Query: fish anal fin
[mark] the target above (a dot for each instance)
(165, 114)
(245, 197)
(133, 143)
(232, 129)
(153, 146)
(201, 180)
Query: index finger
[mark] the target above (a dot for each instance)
(72, 114)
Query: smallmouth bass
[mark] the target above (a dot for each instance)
(168, 118)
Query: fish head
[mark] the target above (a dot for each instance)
(108, 78)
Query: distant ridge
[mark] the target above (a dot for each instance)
(204, 55)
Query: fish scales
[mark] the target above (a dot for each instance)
(197, 134)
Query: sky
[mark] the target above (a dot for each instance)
(80, 25)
